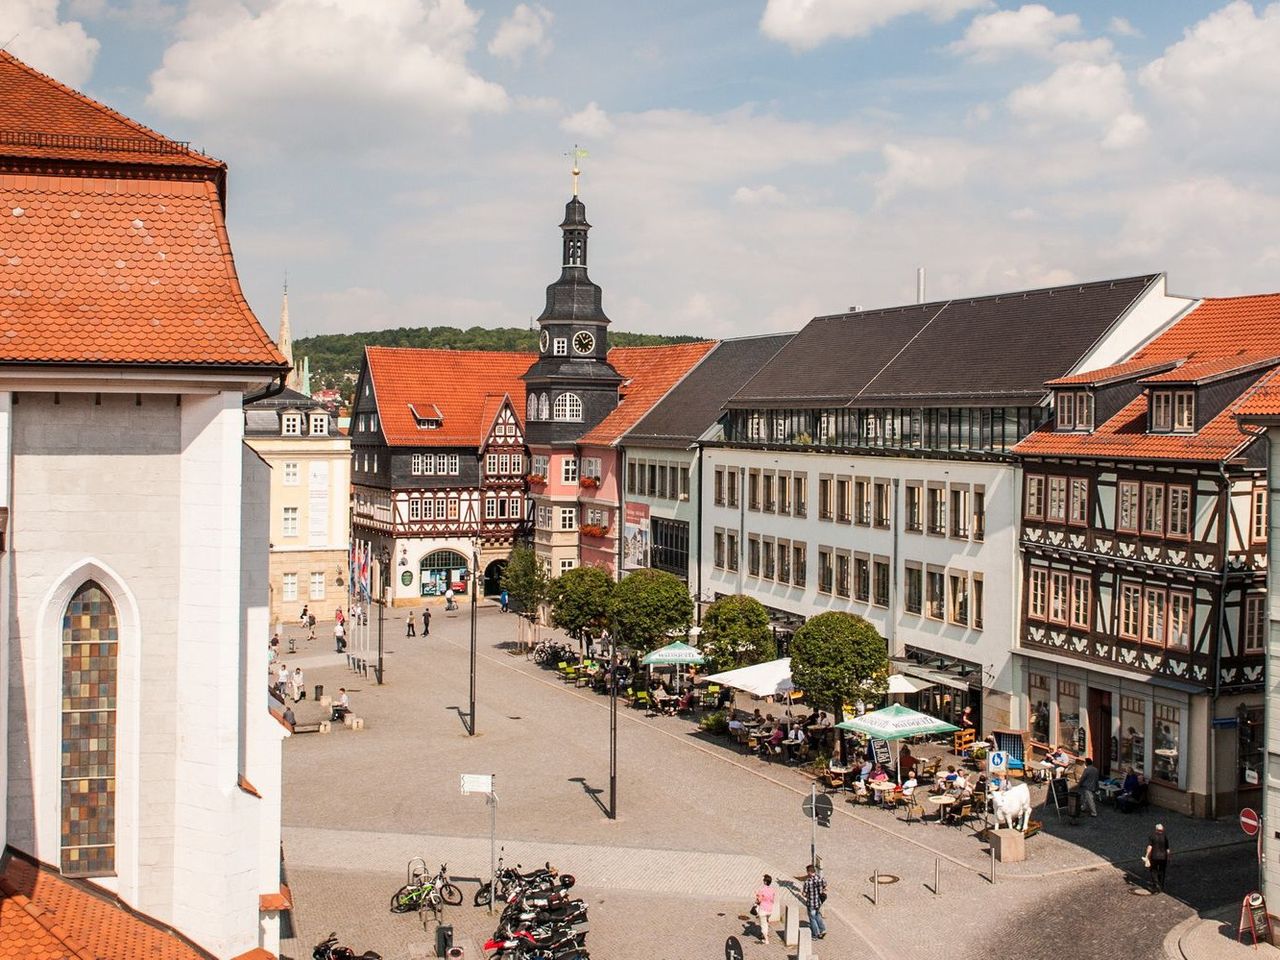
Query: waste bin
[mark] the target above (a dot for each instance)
(319, 691)
(444, 940)
(1073, 803)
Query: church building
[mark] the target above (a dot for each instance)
(140, 761)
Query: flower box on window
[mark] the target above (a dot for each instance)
(589, 483)
(536, 479)
(594, 530)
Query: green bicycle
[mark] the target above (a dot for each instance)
(423, 892)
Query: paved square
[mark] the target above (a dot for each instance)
(699, 823)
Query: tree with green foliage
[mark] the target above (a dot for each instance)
(647, 605)
(837, 658)
(735, 633)
(525, 581)
(580, 601)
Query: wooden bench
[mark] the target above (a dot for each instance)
(320, 726)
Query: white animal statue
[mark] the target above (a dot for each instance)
(1012, 804)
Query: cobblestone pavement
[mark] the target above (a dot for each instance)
(697, 824)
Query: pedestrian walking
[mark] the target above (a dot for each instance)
(448, 600)
(304, 617)
(1157, 857)
(408, 625)
(299, 691)
(339, 637)
(763, 907)
(338, 615)
(311, 625)
(426, 622)
(505, 600)
(1088, 787)
(282, 680)
(815, 895)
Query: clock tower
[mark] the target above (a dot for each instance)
(572, 386)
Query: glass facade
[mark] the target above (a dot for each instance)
(957, 429)
(670, 550)
(90, 642)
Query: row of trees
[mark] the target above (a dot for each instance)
(836, 657)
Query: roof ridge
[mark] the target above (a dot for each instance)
(143, 129)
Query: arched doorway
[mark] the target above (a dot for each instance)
(441, 570)
(493, 578)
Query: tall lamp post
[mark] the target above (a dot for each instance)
(471, 709)
(613, 724)
(384, 559)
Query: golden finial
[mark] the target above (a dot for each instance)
(577, 153)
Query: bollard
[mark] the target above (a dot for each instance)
(937, 870)
(875, 888)
(993, 863)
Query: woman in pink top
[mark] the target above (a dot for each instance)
(764, 906)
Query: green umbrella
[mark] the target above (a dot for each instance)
(673, 654)
(896, 722)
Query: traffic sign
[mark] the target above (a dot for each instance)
(818, 808)
(997, 761)
(1250, 821)
(733, 949)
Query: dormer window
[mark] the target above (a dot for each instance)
(429, 418)
(1074, 411)
(319, 424)
(1173, 411)
(291, 425)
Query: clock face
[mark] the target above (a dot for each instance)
(545, 341)
(583, 342)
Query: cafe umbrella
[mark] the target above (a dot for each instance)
(896, 722)
(677, 654)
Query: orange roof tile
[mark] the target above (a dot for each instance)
(649, 373)
(45, 917)
(121, 271)
(283, 900)
(1220, 335)
(1117, 371)
(464, 385)
(41, 118)
(1263, 400)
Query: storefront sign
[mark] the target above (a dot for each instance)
(1254, 918)
(635, 542)
(407, 578)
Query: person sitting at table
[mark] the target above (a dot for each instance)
(906, 762)
(756, 719)
(909, 786)
(771, 745)
(686, 701)
(959, 785)
(794, 741)
(735, 726)
(1132, 793)
(663, 700)
(1055, 763)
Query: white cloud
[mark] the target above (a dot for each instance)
(1224, 67)
(306, 72)
(59, 48)
(1087, 94)
(523, 31)
(134, 13)
(591, 122)
(1121, 27)
(925, 166)
(805, 24)
(1031, 29)
(764, 195)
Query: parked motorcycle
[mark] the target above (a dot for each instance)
(328, 949)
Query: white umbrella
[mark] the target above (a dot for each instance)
(761, 679)
(901, 683)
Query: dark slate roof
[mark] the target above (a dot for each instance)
(696, 402)
(994, 349)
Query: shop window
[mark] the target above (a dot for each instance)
(1251, 744)
(1168, 735)
(1133, 738)
(1038, 707)
(1070, 729)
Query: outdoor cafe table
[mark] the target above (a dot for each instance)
(881, 787)
(942, 801)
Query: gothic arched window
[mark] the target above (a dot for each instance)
(531, 407)
(568, 407)
(544, 408)
(90, 644)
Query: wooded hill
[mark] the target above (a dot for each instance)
(334, 355)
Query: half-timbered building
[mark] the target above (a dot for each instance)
(438, 467)
(1144, 547)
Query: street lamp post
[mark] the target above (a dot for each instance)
(384, 559)
(613, 724)
(471, 710)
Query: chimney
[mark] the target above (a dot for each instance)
(919, 284)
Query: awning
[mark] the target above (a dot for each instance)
(901, 683)
(932, 676)
(761, 680)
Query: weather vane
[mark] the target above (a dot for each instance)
(577, 153)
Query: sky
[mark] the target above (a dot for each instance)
(751, 163)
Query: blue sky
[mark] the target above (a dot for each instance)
(752, 163)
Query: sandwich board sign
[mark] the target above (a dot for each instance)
(477, 783)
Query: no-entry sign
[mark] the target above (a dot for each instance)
(1249, 821)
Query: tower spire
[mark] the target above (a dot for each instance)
(286, 338)
(577, 154)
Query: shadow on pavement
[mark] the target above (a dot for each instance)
(592, 792)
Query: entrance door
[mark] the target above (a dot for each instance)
(493, 578)
(1100, 730)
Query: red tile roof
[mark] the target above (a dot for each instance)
(1219, 336)
(650, 372)
(121, 271)
(1117, 371)
(43, 119)
(1263, 401)
(463, 384)
(44, 917)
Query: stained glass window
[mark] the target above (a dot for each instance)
(90, 641)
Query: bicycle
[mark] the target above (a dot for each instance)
(439, 891)
(421, 888)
